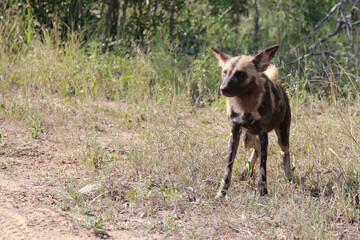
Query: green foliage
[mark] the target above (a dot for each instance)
(157, 37)
(232, 11)
(35, 126)
(73, 15)
(97, 156)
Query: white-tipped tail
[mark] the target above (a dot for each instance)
(272, 73)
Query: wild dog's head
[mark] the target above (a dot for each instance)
(242, 71)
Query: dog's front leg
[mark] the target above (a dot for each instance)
(263, 137)
(233, 146)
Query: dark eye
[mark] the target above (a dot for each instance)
(224, 72)
(241, 75)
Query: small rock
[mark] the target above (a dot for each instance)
(90, 191)
(3, 165)
(101, 233)
(89, 213)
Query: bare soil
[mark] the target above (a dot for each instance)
(32, 189)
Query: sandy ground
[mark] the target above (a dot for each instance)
(31, 190)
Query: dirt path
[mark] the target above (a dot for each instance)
(31, 191)
(38, 223)
(26, 212)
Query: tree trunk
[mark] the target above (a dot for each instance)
(114, 7)
(156, 3)
(256, 25)
(171, 18)
(123, 18)
(111, 20)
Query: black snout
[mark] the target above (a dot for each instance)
(224, 89)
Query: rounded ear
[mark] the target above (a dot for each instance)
(262, 59)
(222, 57)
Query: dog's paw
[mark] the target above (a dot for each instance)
(221, 195)
(262, 190)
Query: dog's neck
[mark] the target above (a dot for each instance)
(249, 99)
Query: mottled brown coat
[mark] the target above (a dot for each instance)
(256, 104)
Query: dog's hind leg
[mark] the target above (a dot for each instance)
(250, 141)
(264, 140)
(283, 138)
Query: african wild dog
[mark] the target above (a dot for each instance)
(256, 104)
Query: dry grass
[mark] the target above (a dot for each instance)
(159, 158)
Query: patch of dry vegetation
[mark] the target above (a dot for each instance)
(159, 158)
